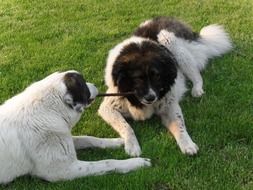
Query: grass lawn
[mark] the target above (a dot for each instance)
(38, 37)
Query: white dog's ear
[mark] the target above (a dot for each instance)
(78, 94)
(74, 105)
(68, 99)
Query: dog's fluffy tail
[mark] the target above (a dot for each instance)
(215, 40)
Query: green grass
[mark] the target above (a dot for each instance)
(38, 37)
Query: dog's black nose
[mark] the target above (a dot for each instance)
(150, 97)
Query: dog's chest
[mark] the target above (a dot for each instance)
(129, 111)
(140, 113)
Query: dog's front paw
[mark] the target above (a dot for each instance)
(166, 38)
(132, 147)
(141, 162)
(133, 164)
(197, 92)
(187, 146)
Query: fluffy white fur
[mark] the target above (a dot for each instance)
(35, 136)
(192, 56)
(114, 110)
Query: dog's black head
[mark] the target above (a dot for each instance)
(79, 94)
(146, 68)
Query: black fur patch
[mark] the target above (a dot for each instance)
(152, 29)
(141, 66)
(77, 88)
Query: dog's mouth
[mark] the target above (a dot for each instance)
(144, 100)
(149, 98)
(90, 101)
(80, 107)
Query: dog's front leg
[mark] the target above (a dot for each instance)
(173, 119)
(82, 142)
(118, 123)
(79, 168)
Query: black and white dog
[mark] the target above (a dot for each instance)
(191, 50)
(35, 132)
(152, 64)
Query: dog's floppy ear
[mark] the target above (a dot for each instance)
(118, 73)
(78, 94)
(170, 63)
(68, 99)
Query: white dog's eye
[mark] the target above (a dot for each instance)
(76, 106)
(68, 99)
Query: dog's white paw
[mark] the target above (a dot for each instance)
(197, 92)
(187, 146)
(166, 38)
(132, 147)
(133, 164)
(141, 162)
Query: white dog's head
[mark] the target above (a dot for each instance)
(71, 87)
(79, 94)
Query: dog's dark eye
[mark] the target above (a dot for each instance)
(155, 74)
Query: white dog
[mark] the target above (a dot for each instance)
(35, 132)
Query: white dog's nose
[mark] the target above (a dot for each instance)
(93, 90)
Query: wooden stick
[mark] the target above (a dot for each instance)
(115, 94)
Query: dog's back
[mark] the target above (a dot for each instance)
(13, 160)
(18, 116)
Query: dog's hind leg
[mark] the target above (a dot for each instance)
(185, 60)
(194, 75)
(82, 168)
(82, 142)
